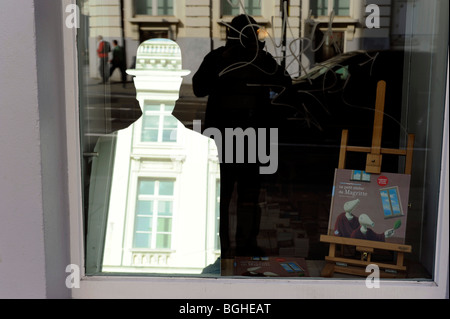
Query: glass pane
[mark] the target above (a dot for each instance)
(164, 225)
(253, 7)
(165, 208)
(386, 203)
(143, 7)
(149, 136)
(165, 7)
(230, 7)
(319, 7)
(152, 107)
(143, 224)
(144, 207)
(151, 122)
(395, 202)
(170, 122)
(169, 136)
(163, 241)
(166, 188)
(131, 166)
(142, 240)
(342, 7)
(146, 187)
(169, 107)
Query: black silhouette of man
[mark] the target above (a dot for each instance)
(238, 79)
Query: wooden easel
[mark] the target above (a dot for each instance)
(375, 154)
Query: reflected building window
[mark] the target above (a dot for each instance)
(159, 125)
(154, 213)
(154, 7)
(324, 7)
(233, 8)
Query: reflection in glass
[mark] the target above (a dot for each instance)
(233, 8)
(147, 187)
(159, 125)
(154, 213)
(154, 201)
(151, 185)
(154, 7)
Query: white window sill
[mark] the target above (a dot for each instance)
(106, 287)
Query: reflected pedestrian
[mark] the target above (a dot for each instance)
(239, 79)
(103, 50)
(118, 61)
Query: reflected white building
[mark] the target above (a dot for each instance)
(164, 193)
(199, 26)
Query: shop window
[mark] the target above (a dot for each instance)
(141, 212)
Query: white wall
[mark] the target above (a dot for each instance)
(33, 210)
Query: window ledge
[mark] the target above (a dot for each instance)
(152, 251)
(172, 149)
(325, 19)
(155, 19)
(259, 19)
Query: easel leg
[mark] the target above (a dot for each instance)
(328, 270)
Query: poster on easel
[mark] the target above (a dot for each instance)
(369, 206)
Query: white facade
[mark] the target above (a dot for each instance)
(186, 159)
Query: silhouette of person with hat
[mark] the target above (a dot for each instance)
(238, 79)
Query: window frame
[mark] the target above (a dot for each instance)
(162, 114)
(156, 199)
(103, 286)
(139, 146)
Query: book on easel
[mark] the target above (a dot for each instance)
(369, 207)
